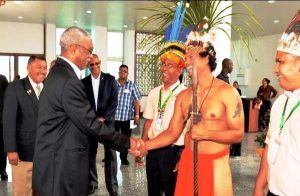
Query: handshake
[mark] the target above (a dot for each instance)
(138, 147)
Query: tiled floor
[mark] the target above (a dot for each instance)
(132, 179)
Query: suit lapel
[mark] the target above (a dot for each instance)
(30, 92)
(102, 76)
(90, 90)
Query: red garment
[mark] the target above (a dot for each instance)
(185, 177)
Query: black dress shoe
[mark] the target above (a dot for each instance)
(4, 176)
(92, 189)
(113, 194)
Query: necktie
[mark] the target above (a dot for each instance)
(38, 88)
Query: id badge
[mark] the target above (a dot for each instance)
(158, 124)
(274, 150)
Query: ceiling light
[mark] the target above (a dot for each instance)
(125, 26)
(19, 2)
(20, 17)
(145, 17)
(76, 21)
(88, 11)
(271, 1)
(276, 21)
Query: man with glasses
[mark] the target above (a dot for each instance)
(161, 162)
(102, 93)
(128, 106)
(67, 121)
(20, 116)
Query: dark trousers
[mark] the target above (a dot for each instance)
(124, 126)
(271, 194)
(160, 164)
(264, 115)
(2, 154)
(110, 167)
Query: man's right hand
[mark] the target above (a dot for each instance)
(13, 158)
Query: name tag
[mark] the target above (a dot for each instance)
(158, 125)
(274, 150)
(126, 90)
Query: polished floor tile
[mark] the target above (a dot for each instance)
(132, 179)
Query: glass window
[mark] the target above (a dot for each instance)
(59, 32)
(113, 68)
(23, 61)
(7, 67)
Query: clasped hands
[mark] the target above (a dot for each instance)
(138, 147)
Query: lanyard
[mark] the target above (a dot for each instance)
(282, 121)
(162, 107)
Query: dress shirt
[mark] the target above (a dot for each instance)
(283, 173)
(151, 109)
(96, 84)
(34, 85)
(75, 68)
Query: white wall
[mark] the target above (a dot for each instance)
(21, 38)
(50, 43)
(264, 51)
(129, 52)
(99, 35)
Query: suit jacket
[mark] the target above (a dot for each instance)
(107, 97)
(20, 113)
(66, 121)
(3, 86)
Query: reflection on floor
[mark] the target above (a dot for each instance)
(132, 179)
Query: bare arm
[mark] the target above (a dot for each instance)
(137, 111)
(234, 116)
(147, 126)
(261, 179)
(174, 130)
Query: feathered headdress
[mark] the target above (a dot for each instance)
(175, 37)
(290, 39)
(198, 39)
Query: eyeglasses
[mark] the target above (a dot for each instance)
(123, 71)
(89, 50)
(94, 64)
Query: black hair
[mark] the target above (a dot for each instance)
(35, 57)
(211, 53)
(123, 65)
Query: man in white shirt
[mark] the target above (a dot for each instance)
(161, 162)
(280, 164)
(102, 93)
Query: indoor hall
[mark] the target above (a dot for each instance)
(116, 34)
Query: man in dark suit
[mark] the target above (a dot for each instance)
(3, 85)
(102, 93)
(20, 113)
(66, 121)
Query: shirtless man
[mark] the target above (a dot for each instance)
(222, 124)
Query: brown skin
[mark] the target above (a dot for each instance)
(222, 121)
(287, 70)
(37, 71)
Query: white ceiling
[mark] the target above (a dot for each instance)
(115, 14)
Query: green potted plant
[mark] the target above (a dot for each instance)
(260, 139)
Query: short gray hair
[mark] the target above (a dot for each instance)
(72, 35)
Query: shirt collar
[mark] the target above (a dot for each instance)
(33, 84)
(172, 86)
(95, 78)
(291, 94)
(75, 68)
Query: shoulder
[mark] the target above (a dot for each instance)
(86, 79)
(224, 90)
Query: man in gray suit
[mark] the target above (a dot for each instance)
(66, 121)
(20, 115)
